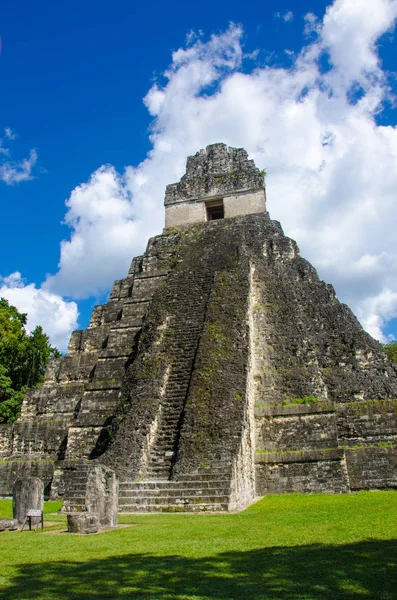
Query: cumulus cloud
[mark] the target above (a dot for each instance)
(332, 170)
(105, 232)
(57, 317)
(287, 17)
(14, 171)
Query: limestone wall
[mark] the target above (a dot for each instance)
(245, 204)
(218, 330)
(185, 213)
(188, 213)
(327, 447)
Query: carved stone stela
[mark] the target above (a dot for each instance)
(220, 369)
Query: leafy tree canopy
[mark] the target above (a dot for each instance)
(391, 351)
(23, 359)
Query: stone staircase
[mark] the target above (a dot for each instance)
(183, 336)
(75, 476)
(166, 443)
(207, 489)
(200, 492)
(203, 491)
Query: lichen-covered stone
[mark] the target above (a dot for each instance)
(8, 524)
(102, 495)
(27, 494)
(83, 522)
(216, 170)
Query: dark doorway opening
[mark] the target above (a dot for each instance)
(215, 211)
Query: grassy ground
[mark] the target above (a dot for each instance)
(284, 547)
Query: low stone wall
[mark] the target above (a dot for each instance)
(372, 468)
(327, 447)
(305, 472)
(247, 203)
(297, 432)
(185, 213)
(12, 470)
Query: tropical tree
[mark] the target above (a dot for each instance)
(23, 359)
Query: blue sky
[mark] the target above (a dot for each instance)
(309, 93)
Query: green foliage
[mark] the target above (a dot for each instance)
(304, 400)
(23, 359)
(391, 351)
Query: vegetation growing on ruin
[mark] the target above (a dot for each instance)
(391, 351)
(297, 401)
(368, 407)
(317, 547)
(23, 359)
(304, 400)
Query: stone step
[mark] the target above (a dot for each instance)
(218, 475)
(75, 501)
(161, 445)
(161, 456)
(148, 508)
(173, 493)
(178, 500)
(77, 497)
(71, 487)
(172, 484)
(156, 469)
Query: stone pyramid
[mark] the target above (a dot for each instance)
(221, 369)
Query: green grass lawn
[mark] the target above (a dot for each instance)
(284, 547)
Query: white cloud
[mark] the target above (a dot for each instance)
(312, 24)
(376, 311)
(350, 32)
(14, 171)
(332, 171)
(286, 17)
(107, 231)
(57, 317)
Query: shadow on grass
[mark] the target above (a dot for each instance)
(365, 570)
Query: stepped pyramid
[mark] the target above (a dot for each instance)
(221, 369)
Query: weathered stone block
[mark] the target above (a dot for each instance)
(77, 366)
(102, 494)
(8, 524)
(372, 468)
(325, 476)
(39, 437)
(27, 493)
(81, 441)
(185, 213)
(297, 432)
(83, 522)
(245, 204)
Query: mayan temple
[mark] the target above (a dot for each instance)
(221, 369)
